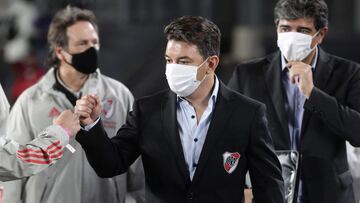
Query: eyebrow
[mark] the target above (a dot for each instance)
(304, 28)
(87, 39)
(298, 28)
(284, 26)
(181, 57)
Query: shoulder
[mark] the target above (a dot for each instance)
(244, 111)
(342, 63)
(254, 65)
(156, 98)
(35, 92)
(242, 101)
(252, 70)
(343, 70)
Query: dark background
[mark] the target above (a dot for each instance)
(132, 41)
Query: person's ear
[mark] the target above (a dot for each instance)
(213, 63)
(322, 34)
(59, 53)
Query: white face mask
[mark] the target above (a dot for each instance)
(4, 111)
(295, 46)
(182, 78)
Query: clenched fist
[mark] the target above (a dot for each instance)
(88, 108)
(301, 74)
(69, 121)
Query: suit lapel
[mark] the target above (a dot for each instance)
(169, 122)
(321, 76)
(272, 74)
(221, 114)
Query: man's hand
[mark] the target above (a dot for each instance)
(69, 121)
(301, 73)
(88, 108)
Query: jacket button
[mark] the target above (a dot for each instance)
(190, 195)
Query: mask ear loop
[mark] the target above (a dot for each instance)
(316, 34)
(202, 65)
(203, 62)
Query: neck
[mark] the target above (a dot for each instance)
(71, 77)
(202, 94)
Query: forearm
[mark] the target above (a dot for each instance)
(101, 153)
(111, 157)
(18, 161)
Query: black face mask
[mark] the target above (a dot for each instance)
(85, 62)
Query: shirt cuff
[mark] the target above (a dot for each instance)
(90, 126)
(66, 130)
(56, 131)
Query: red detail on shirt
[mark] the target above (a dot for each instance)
(54, 112)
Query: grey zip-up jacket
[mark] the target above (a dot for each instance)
(71, 179)
(19, 161)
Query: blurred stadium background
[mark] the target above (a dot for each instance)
(132, 42)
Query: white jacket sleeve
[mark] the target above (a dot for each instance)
(353, 156)
(18, 161)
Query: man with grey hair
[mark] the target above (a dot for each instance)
(312, 100)
(74, 71)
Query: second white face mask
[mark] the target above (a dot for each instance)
(295, 46)
(182, 78)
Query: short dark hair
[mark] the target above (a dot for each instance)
(198, 31)
(294, 9)
(57, 34)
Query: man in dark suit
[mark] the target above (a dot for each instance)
(312, 100)
(198, 140)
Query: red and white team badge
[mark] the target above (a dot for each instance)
(231, 160)
(108, 108)
(53, 112)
